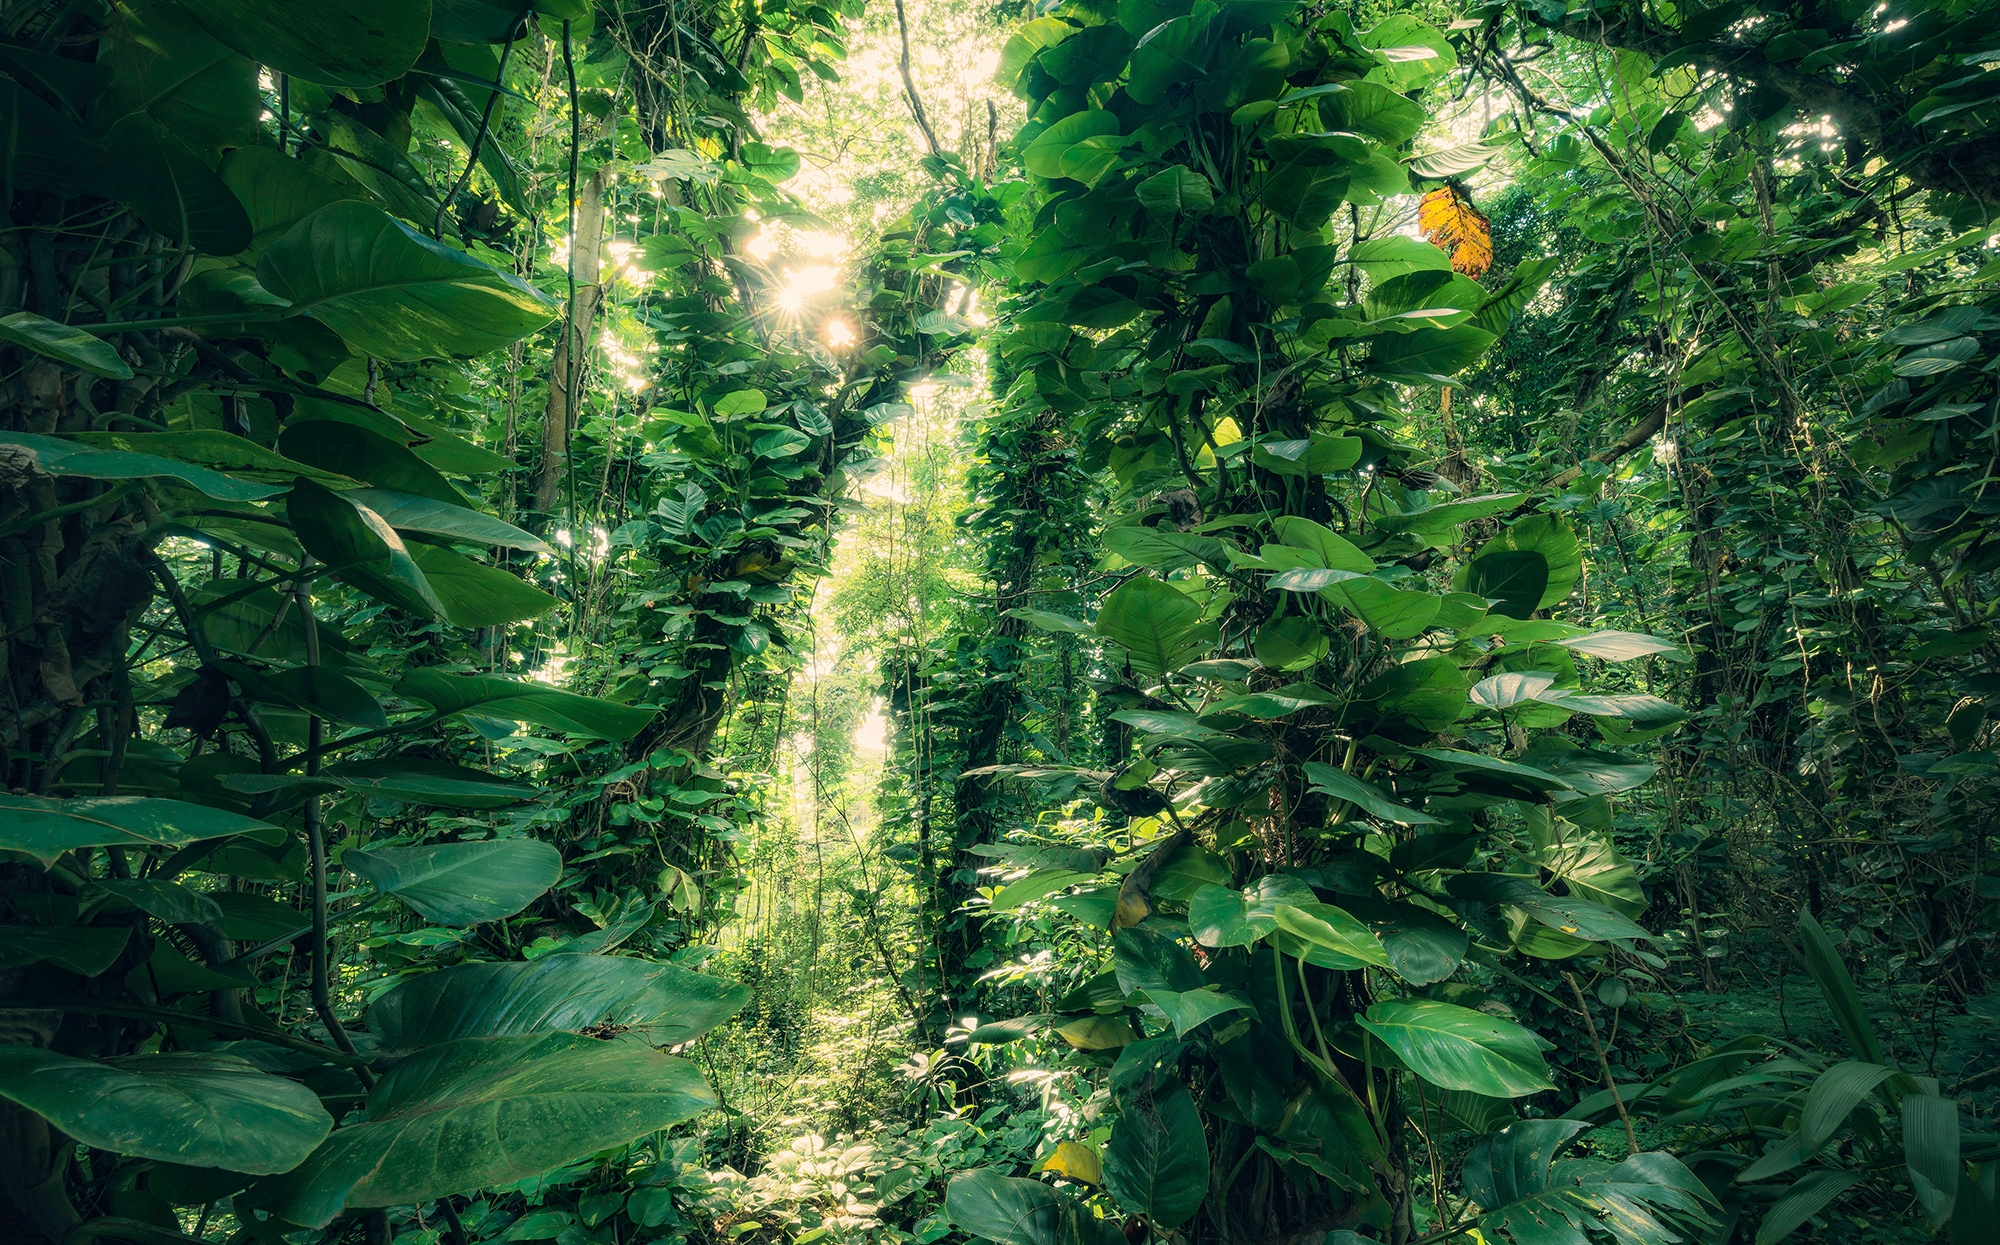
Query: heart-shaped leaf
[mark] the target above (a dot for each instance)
(1456, 1047)
(392, 293)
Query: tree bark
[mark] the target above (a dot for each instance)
(566, 371)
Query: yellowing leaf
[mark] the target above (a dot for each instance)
(1097, 1033)
(1448, 219)
(1077, 1161)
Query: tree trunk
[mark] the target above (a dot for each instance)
(566, 373)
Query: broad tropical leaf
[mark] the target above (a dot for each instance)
(569, 993)
(203, 1110)
(481, 1111)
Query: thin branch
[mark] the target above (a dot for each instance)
(479, 139)
(910, 82)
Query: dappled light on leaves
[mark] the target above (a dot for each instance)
(912, 623)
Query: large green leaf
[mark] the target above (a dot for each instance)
(1043, 156)
(408, 512)
(1157, 624)
(533, 703)
(1428, 354)
(1373, 110)
(1369, 798)
(1528, 1198)
(1544, 534)
(412, 780)
(1174, 191)
(166, 901)
(239, 457)
(45, 829)
(1333, 550)
(360, 454)
(64, 344)
(69, 458)
(476, 595)
(484, 1111)
(1422, 946)
(86, 950)
(201, 1110)
(1156, 1162)
(332, 42)
(172, 188)
(1394, 613)
(1456, 1047)
(276, 191)
(1174, 54)
(1512, 581)
(392, 293)
(362, 549)
(1221, 917)
(319, 690)
(667, 1003)
(1003, 1209)
(162, 64)
(1342, 941)
(461, 883)
(1145, 959)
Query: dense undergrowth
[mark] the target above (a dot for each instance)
(1201, 621)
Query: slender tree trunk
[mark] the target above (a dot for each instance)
(566, 374)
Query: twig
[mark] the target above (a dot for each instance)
(910, 82)
(1603, 1064)
(316, 841)
(478, 139)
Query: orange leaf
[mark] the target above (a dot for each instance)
(1450, 222)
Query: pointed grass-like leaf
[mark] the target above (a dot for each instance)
(1456, 1047)
(392, 293)
(1830, 975)
(201, 1110)
(1808, 1196)
(1931, 1148)
(461, 884)
(45, 829)
(484, 1111)
(1833, 1096)
(557, 993)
